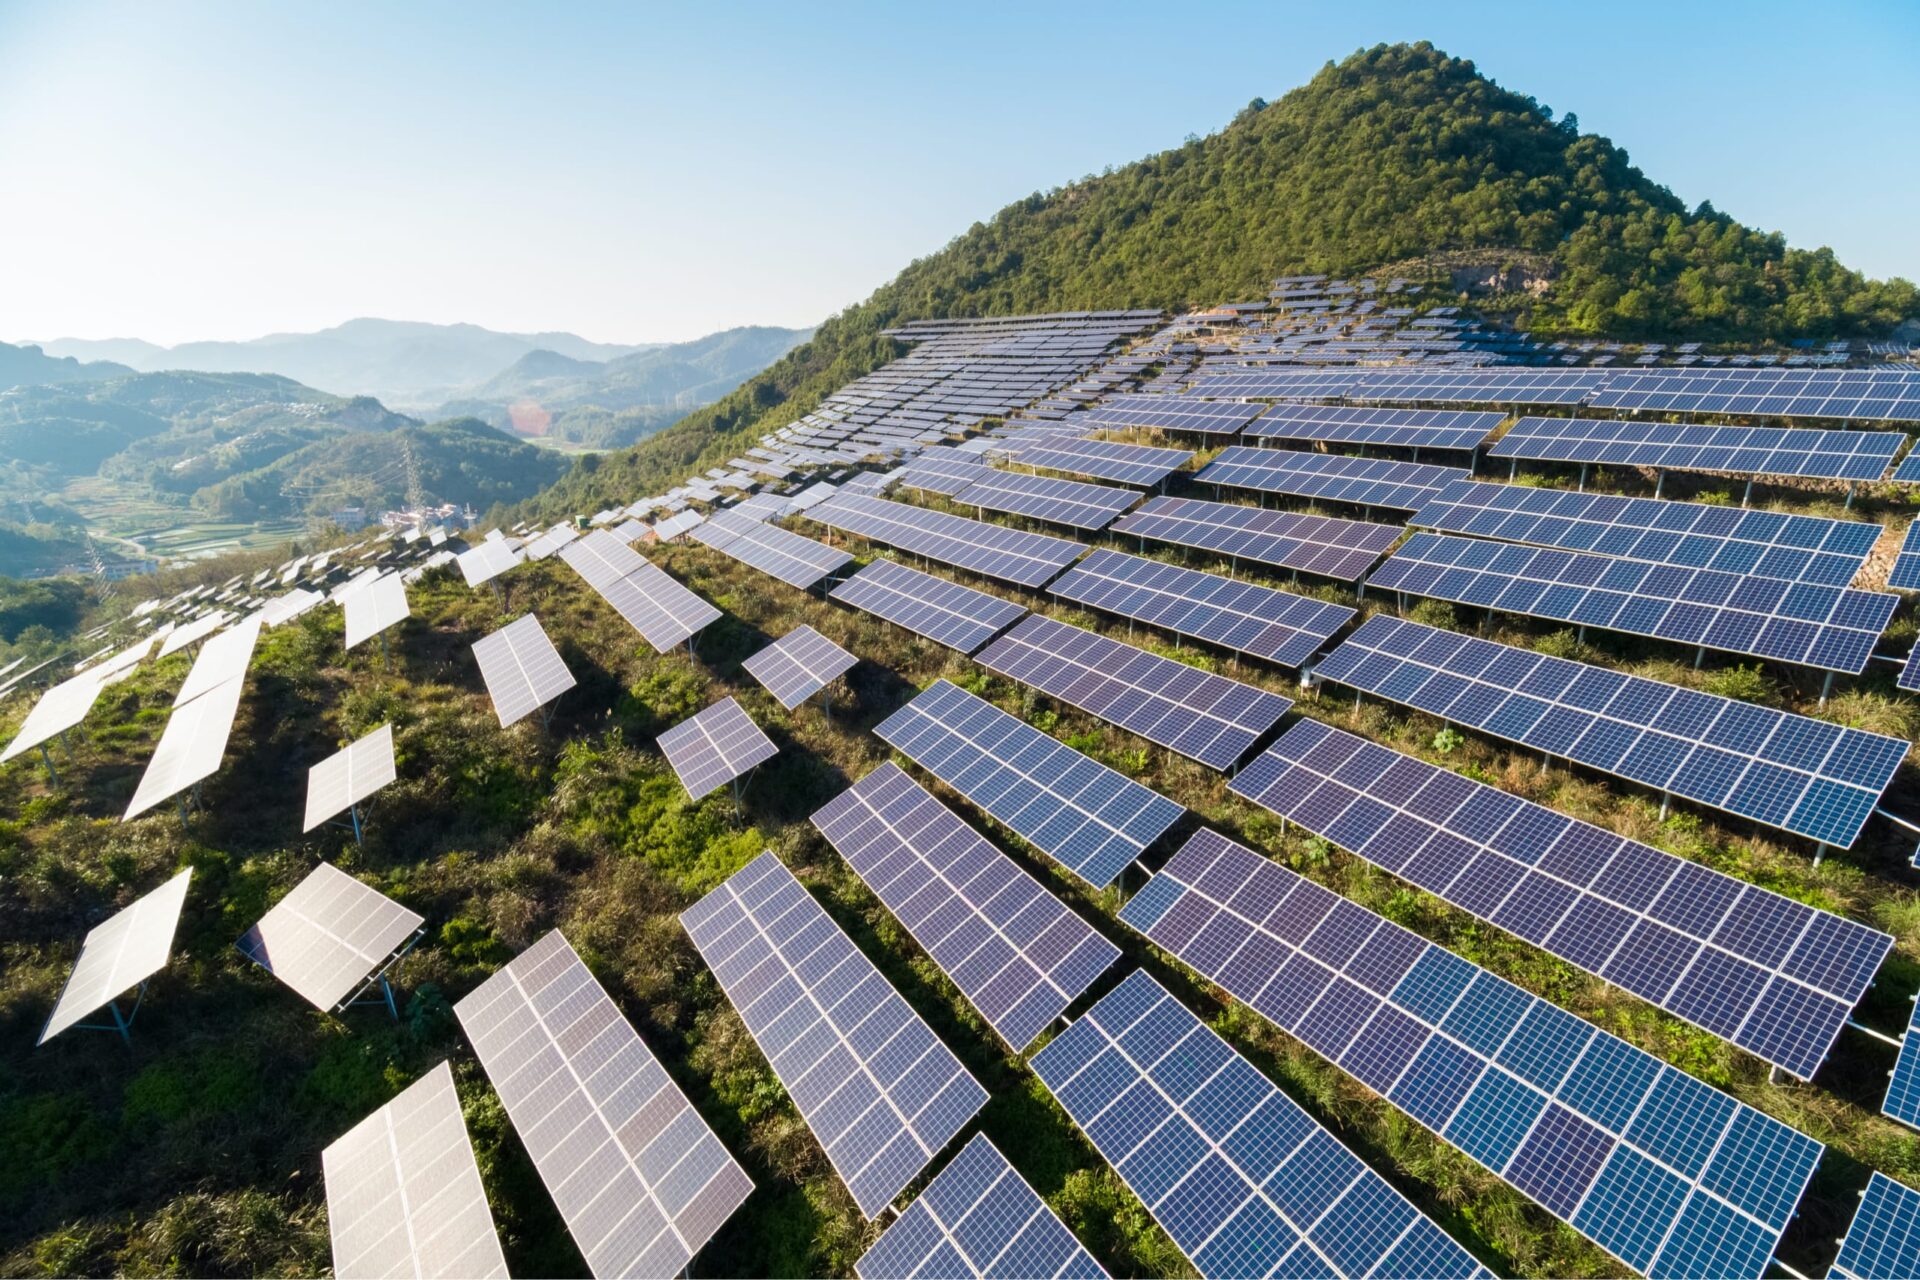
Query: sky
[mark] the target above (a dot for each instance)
(639, 173)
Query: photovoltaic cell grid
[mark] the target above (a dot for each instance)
(799, 665)
(1501, 386)
(1170, 413)
(1903, 1091)
(978, 1217)
(990, 549)
(1267, 623)
(521, 668)
(487, 561)
(1244, 1181)
(1323, 545)
(1866, 394)
(1884, 1241)
(1772, 451)
(1906, 569)
(1694, 535)
(1139, 464)
(637, 1175)
(349, 776)
(329, 936)
(1069, 502)
(374, 607)
(1016, 951)
(942, 611)
(797, 561)
(941, 470)
(1399, 428)
(119, 954)
(1669, 1175)
(876, 1086)
(652, 602)
(715, 746)
(1203, 716)
(404, 1196)
(1908, 472)
(1371, 482)
(1831, 628)
(1774, 976)
(1909, 677)
(1806, 776)
(1078, 812)
(191, 747)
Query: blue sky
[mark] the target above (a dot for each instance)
(633, 173)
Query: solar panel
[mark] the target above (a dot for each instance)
(1102, 459)
(1807, 776)
(1792, 393)
(1908, 472)
(1831, 628)
(1884, 1241)
(1903, 1093)
(1275, 625)
(193, 632)
(1669, 1175)
(1398, 428)
(1909, 677)
(1774, 976)
(521, 668)
(1014, 950)
(404, 1196)
(374, 607)
(799, 665)
(713, 747)
(991, 549)
(551, 541)
(488, 560)
(945, 471)
(942, 611)
(190, 748)
(1906, 568)
(880, 1092)
(1170, 413)
(638, 1176)
(1080, 813)
(797, 561)
(1667, 446)
(978, 1217)
(330, 937)
(1068, 502)
(349, 776)
(59, 709)
(1370, 482)
(1694, 535)
(1324, 545)
(1244, 1181)
(664, 612)
(120, 953)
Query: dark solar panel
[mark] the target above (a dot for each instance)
(1884, 1241)
(1903, 1090)
(990, 549)
(1323, 545)
(1068, 502)
(1171, 413)
(1138, 464)
(1398, 428)
(1906, 567)
(942, 611)
(1773, 451)
(797, 561)
(1371, 482)
(1908, 472)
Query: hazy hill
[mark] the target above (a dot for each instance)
(29, 366)
(1395, 153)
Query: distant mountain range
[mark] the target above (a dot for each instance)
(29, 365)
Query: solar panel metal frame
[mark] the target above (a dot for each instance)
(1883, 1241)
(1068, 502)
(714, 746)
(521, 669)
(780, 553)
(349, 776)
(1327, 546)
(881, 1099)
(191, 747)
(1171, 413)
(374, 607)
(119, 954)
(799, 665)
(1138, 464)
(331, 937)
(943, 611)
(639, 1177)
(1905, 574)
(996, 551)
(1452, 429)
(1330, 477)
(1017, 953)
(1770, 451)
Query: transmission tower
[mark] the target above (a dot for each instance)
(416, 494)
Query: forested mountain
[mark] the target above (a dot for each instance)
(1394, 155)
(29, 365)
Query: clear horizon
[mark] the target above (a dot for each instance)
(219, 172)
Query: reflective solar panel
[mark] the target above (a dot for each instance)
(1807, 776)
(1244, 1181)
(1830, 628)
(1370, 482)
(1203, 716)
(1069, 502)
(1170, 413)
(638, 1176)
(1324, 545)
(1903, 1092)
(551, 541)
(487, 561)
(289, 606)
(797, 561)
(190, 748)
(1267, 623)
(799, 665)
(880, 1092)
(663, 611)
(713, 747)
(1884, 1241)
(978, 1217)
(1669, 1175)
(1017, 953)
(1906, 567)
(120, 953)
(330, 936)
(522, 670)
(1082, 814)
(991, 549)
(1138, 464)
(58, 709)
(1397, 428)
(1694, 535)
(942, 611)
(374, 607)
(349, 776)
(1773, 451)
(404, 1196)
(193, 632)
(945, 471)
(1774, 976)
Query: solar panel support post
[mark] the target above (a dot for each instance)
(1881, 1036)
(1746, 498)
(122, 1022)
(1848, 504)
(1826, 687)
(1513, 468)
(1659, 479)
(46, 758)
(1583, 479)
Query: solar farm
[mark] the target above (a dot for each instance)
(1106, 793)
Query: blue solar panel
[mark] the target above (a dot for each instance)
(797, 561)
(1082, 814)
(1908, 472)
(876, 1086)
(1906, 568)
(1396, 428)
(1244, 1181)
(977, 1218)
(1909, 677)
(991, 549)
(1772, 451)
(1014, 950)
(1884, 1241)
(1863, 394)
(1203, 716)
(1103, 459)
(1667, 1174)
(1903, 1092)
(1323, 545)
(943, 470)
(1472, 386)
(1695, 535)
(1069, 502)
(1774, 976)
(1170, 413)
(1807, 776)
(1830, 628)
(1267, 623)
(942, 611)
(1370, 482)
